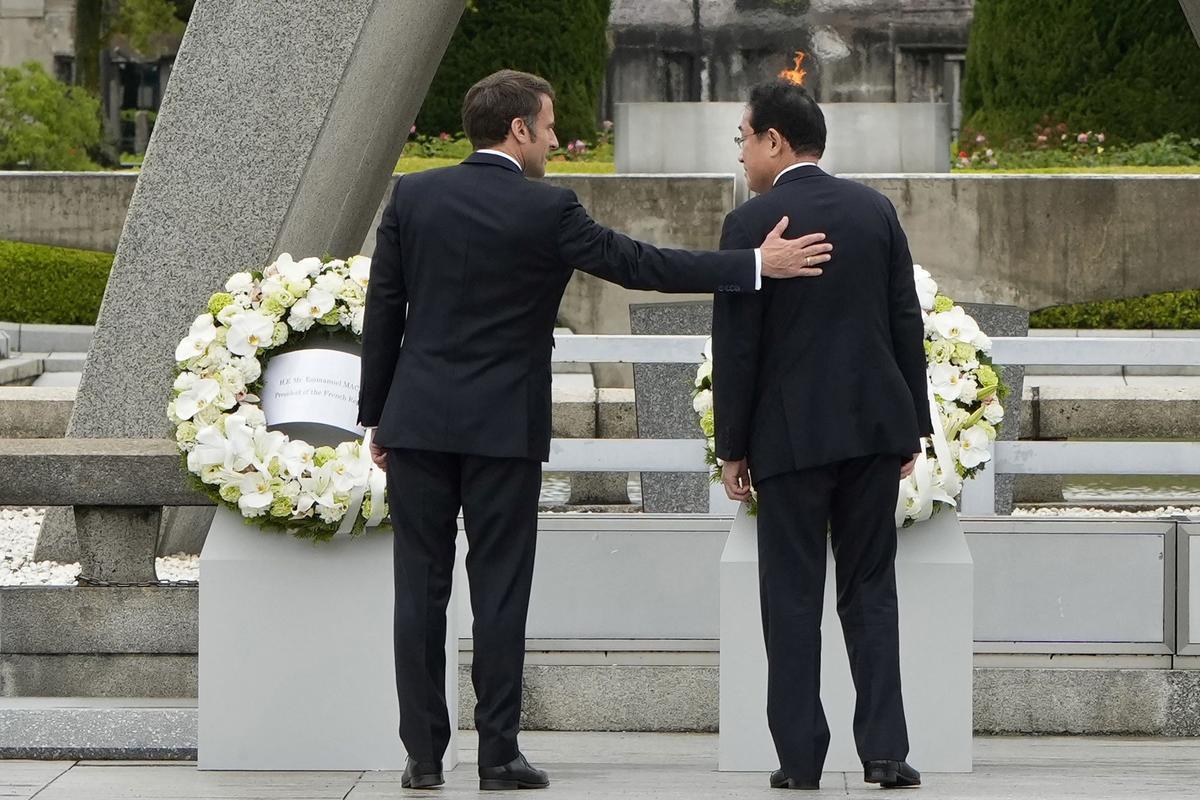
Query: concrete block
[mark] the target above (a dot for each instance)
(19, 371)
(64, 361)
(4, 344)
(28, 412)
(89, 620)
(664, 403)
(77, 728)
(610, 698)
(280, 616)
(616, 414)
(1072, 701)
(934, 586)
(98, 675)
(117, 543)
(97, 472)
(184, 529)
(1038, 489)
(57, 539)
(56, 338)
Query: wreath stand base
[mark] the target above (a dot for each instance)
(296, 656)
(934, 584)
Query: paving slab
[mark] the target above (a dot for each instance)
(597, 766)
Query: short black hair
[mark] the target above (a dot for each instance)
(790, 109)
(492, 104)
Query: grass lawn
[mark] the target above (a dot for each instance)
(1083, 171)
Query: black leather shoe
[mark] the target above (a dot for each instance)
(422, 774)
(516, 774)
(779, 780)
(891, 774)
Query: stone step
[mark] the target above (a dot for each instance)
(19, 371)
(98, 728)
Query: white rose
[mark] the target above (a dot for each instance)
(704, 373)
(993, 412)
(703, 402)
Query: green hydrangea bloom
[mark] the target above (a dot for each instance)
(707, 424)
(332, 318)
(281, 507)
(987, 376)
(219, 301)
(964, 352)
(324, 455)
(941, 350)
(273, 307)
(941, 304)
(186, 432)
(280, 334)
(230, 493)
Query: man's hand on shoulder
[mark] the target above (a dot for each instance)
(793, 258)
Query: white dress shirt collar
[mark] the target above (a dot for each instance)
(488, 152)
(786, 170)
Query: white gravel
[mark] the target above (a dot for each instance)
(19, 529)
(1081, 511)
(18, 536)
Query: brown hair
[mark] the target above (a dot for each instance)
(492, 104)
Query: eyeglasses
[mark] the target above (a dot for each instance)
(740, 141)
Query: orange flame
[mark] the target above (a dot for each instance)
(796, 75)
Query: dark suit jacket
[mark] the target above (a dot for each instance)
(470, 264)
(817, 370)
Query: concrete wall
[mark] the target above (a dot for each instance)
(36, 30)
(1032, 241)
(70, 209)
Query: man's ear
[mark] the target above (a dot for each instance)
(519, 130)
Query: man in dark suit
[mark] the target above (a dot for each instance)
(469, 268)
(819, 395)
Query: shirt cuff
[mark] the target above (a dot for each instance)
(757, 268)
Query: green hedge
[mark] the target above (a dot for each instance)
(51, 285)
(565, 43)
(1129, 68)
(1166, 311)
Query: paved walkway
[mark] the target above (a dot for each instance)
(636, 766)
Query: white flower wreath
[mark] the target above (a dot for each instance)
(965, 397)
(220, 427)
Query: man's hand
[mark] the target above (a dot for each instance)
(379, 456)
(907, 467)
(736, 477)
(792, 258)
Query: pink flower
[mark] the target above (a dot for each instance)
(1041, 139)
(980, 139)
(1082, 138)
(445, 137)
(412, 130)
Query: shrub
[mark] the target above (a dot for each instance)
(1165, 311)
(565, 43)
(1128, 67)
(45, 124)
(51, 285)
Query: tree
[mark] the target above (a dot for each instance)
(143, 23)
(566, 43)
(45, 124)
(1130, 68)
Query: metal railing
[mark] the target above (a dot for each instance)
(1009, 457)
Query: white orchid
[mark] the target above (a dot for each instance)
(199, 395)
(330, 283)
(973, 447)
(926, 287)
(955, 325)
(240, 283)
(946, 380)
(200, 335)
(360, 270)
(248, 331)
(296, 457)
(704, 372)
(308, 309)
(993, 411)
(256, 495)
(211, 449)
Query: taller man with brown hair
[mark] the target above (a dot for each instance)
(470, 264)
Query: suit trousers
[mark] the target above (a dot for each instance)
(853, 501)
(498, 498)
